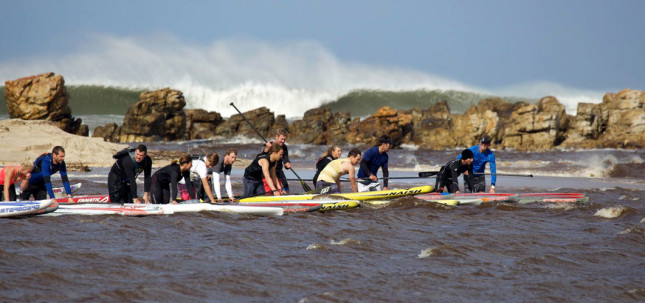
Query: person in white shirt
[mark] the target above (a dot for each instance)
(224, 165)
(199, 176)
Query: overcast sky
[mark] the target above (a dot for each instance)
(589, 44)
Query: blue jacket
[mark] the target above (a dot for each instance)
(480, 160)
(44, 167)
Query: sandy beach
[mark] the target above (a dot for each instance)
(31, 138)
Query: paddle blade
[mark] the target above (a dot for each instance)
(427, 174)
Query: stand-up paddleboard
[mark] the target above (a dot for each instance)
(130, 209)
(558, 195)
(485, 197)
(107, 209)
(86, 199)
(578, 200)
(196, 206)
(303, 205)
(451, 202)
(17, 209)
(370, 195)
(59, 192)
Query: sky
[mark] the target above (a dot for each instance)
(524, 47)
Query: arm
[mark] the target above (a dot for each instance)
(455, 176)
(469, 175)
(46, 173)
(7, 182)
(386, 174)
(128, 167)
(366, 169)
(285, 158)
(147, 168)
(215, 178)
(352, 178)
(229, 188)
(270, 177)
(207, 189)
(493, 170)
(189, 185)
(174, 179)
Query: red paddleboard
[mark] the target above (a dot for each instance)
(87, 199)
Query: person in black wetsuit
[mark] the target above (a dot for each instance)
(448, 176)
(280, 139)
(263, 167)
(164, 181)
(333, 153)
(122, 185)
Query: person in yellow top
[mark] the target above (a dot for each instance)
(330, 175)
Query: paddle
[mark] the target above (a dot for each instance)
(508, 175)
(304, 185)
(427, 174)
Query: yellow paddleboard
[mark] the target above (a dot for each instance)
(338, 205)
(370, 195)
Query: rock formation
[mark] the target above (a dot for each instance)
(617, 122)
(157, 116)
(42, 97)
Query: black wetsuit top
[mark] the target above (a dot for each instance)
(128, 169)
(449, 175)
(254, 170)
(170, 175)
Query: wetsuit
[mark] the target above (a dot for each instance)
(40, 182)
(478, 179)
(122, 185)
(320, 165)
(164, 184)
(372, 160)
(219, 168)
(253, 176)
(279, 173)
(448, 176)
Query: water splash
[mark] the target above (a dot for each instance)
(288, 78)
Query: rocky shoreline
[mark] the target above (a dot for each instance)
(617, 122)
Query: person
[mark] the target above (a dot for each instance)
(263, 167)
(482, 155)
(12, 174)
(330, 175)
(224, 165)
(332, 153)
(164, 181)
(199, 178)
(373, 159)
(39, 185)
(122, 185)
(448, 176)
(280, 139)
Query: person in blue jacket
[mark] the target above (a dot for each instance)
(40, 184)
(482, 155)
(373, 159)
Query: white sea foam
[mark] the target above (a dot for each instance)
(344, 241)
(288, 78)
(610, 212)
(426, 252)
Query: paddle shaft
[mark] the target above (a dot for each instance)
(427, 174)
(304, 185)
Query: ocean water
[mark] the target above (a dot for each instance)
(408, 250)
